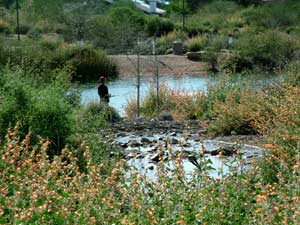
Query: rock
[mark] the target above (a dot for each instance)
(140, 156)
(124, 145)
(165, 116)
(150, 167)
(145, 140)
(227, 150)
(156, 157)
(195, 138)
(187, 144)
(174, 134)
(174, 141)
(130, 156)
(151, 149)
(135, 144)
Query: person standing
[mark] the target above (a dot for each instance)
(103, 91)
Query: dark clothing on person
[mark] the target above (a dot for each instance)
(103, 93)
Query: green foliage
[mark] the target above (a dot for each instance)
(24, 28)
(272, 16)
(50, 117)
(197, 43)
(89, 64)
(269, 50)
(7, 3)
(164, 43)
(86, 63)
(95, 115)
(247, 2)
(159, 26)
(4, 27)
(124, 14)
(42, 109)
(213, 18)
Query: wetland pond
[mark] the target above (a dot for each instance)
(143, 157)
(123, 90)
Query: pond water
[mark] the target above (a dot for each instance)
(124, 89)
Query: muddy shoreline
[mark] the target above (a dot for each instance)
(168, 65)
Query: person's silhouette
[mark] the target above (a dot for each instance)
(103, 91)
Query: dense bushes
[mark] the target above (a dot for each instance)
(4, 27)
(125, 14)
(38, 190)
(86, 63)
(40, 109)
(89, 64)
(268, 50)
(159, 26)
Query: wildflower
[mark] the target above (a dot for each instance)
(284, 221)
(275, 209)
(261, 198)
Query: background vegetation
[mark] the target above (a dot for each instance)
(55, 168)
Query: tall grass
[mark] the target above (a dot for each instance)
(181, 104)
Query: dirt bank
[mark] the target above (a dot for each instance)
(169, 65)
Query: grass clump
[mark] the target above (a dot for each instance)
(180, 104)
(95, 115)
(197, 43)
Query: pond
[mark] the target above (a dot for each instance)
(124, 89)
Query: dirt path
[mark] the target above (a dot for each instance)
(169, 65)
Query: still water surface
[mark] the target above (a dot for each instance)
(124, 89)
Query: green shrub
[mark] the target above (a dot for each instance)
(89, 64)
(122, 14)
(95, 115)
(217, 43)
(272, 16)
(39, 108)
(196, 43)
(159, 26)
(269, 50)
(4, 27)
(34, 34)
(50, 118)
(23, 28)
